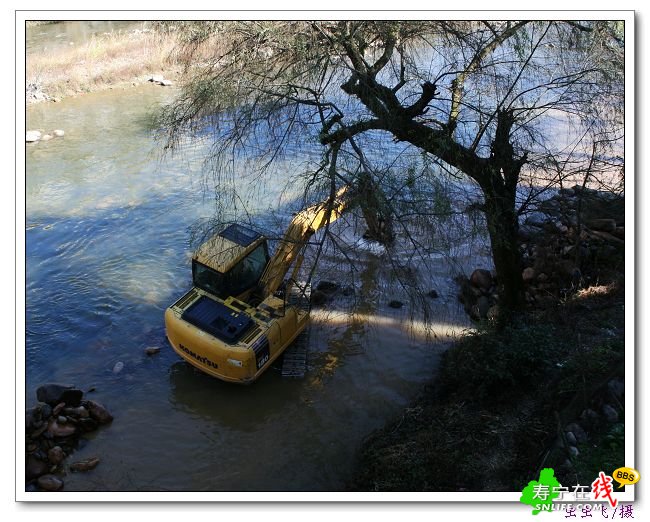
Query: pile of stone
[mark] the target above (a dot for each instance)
(53, 429)
(605, 409)
(564, 245)
(159, 79)
(575, 234)
(32, 136)
(478, 294)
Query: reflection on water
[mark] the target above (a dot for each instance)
(107, 242)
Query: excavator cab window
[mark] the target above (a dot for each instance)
(241, 277)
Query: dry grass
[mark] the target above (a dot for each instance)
(596, 291)
(103, 62)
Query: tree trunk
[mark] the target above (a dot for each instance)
(376, 211)
(503, 226)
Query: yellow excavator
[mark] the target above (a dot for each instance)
(232, 324)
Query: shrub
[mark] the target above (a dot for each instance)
(497, 365)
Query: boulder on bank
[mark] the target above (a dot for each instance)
(159, 79)
(528, 275)
(481, 278)
(602, 224)
(478, 301)
(54, 393)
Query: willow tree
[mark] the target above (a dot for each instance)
(487, 99)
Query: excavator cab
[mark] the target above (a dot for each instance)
(231, 263)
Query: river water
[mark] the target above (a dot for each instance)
(108, 243)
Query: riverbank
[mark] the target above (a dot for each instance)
(548, 391)
(110, 60)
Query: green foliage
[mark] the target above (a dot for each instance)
(615, 438)
(441, 200)
(498, 365)
(605, 452)
(589, 366)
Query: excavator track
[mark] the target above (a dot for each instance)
(294, 359)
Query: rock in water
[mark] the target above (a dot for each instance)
(32, 416)
(50, 483)
(327, 287)
(32, 136)
(88, 424)
(318, 298)
(481, 278)
(35, 467)
(84, 465)
(152, 350)
(55, 455)
(54, 394)
(57, 429)
(46, 411)
(98, 412)
(79, 412)
(396, 304)
(119, 366)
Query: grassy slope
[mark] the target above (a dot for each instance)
(103, 62)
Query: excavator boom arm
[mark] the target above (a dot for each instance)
(303, 225)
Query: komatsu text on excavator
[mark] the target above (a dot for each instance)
(231, 324)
